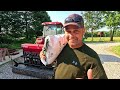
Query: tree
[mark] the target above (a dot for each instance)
(38, 18)
(10, 23)
(26, 19)
(93, 20)
(15, 24)
(112, 19)
(32, 21)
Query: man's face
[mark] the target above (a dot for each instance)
(74, 35)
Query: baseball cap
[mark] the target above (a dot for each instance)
(74, 19)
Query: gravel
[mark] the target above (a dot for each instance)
(6, 72)
(112, 69)
(110, 62)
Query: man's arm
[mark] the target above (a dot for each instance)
(98, 71)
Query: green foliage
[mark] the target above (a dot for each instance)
(112, 19)
(117, 33)
(107, 34)
(15, 24)
(16, 44)
(88, 34)
(93, 20)
(38, 18)
(97, 19)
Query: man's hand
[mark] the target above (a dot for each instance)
(89, 74)
(42, 55)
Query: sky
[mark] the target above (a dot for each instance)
(61, 15)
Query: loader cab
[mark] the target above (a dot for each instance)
(52, 28)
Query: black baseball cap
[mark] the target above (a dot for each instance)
(74, 19)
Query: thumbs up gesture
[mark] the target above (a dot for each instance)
(89, 74)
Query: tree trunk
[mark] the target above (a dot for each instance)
(112, 34)
(26, 30)
(100, 38)
(92, 33)
(0, 29)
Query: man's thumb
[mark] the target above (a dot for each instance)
(89, 74)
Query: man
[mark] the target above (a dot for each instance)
(77, 60)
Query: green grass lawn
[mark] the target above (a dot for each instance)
(103, 39)
(17, 44)
(116, 50)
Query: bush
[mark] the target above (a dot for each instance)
(6, 40)
(88, 34)
(117, 33)
(95, 34)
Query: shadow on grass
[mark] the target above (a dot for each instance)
(108, 58)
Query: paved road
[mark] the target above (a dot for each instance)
(110, 61)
